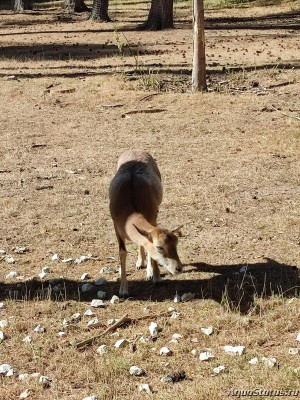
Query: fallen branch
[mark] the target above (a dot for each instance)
(146, 111)
(149, 96)
(125, 319)
(283, 113)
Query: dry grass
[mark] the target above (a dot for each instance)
(230, 165)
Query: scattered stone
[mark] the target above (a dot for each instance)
(293, 351)
(146, 309)
(177, 298)
(27, 339)
(45, 381)
(142, 339)
(101, 282)
(43, 275)
(55, 257)
(84, 276)
(93, 322)
(93, 397)
(103, 349)
(11, 372)
(194, 352)
(12, 274)
(2, 252)
(269, 361)
(39, 329)
(73, 319)
(9, 259)
(4, 368)
(194, 340)
(233, 350)
(176, 336)
(174, 377)
(22, 377)
(298, 337)
(97, 303)
(218, 370)
(3, 323)
(187, 297)
(67, 260)
(20, 250)
(154, 330)
(46, 270)
(87, 287)
(101, 294)
(62, 334)
(111, 321)
(2, 336)
(205, 356)
(89, 313)
(136, 371)
(165, 351)
(175, 315)
(144, 387)
(108, 270)
(115, 300)
(207, 331)
(24, 394)
(253, 361)
(121, 343)
(171, 309)
(2, 305)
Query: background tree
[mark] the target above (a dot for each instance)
(22, 5)
(75, 6)
(160, 16)
(100, 11)
(199, 67)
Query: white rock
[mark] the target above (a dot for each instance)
(219, 369)
(97, 303)
(121, 343)
(84, 276)
(43, 275)
(194, 352)
(93, 397)
(176, 336)
(142, 339)
(298, 337)
(2, 252)
(46, 270)
(73, 319)
(45, 380)
(93, 322)
(175, 315)
(35, 375)
(20, 250)
(187, 297)
(27, 339)
(22, 377)
(55, 257)
(2, 305)
(89, 313)
(177, 298)
(253, 361)
(9, 259)
(233, 350)
(115, 300)
(24, 394)
(62, 334)
(194, 340)
(67, 260)
(4, 368)
(207, 331)
(101, 294)
(146, 309)
(111, 321)
(11, 372)
(101, 282)
(206, 356)
(269, 361)
(145, 387)
(12, 274)
(293, 351)
(136, 371)
(87, 287)
(39, 329)
(165, 351)
(3, 323)
(103, 349)
(2, 336)
(108, 270)
(171, 309)
(154, 329)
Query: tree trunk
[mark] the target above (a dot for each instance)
(22, 5)
(160, 16)
(199, 67)
(100, 11)
(75, 6)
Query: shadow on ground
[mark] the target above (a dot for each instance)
(228, 286)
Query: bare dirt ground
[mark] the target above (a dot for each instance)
(230, 165)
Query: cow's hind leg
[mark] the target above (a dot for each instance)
(122, 254)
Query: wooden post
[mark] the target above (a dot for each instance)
(199, 67)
